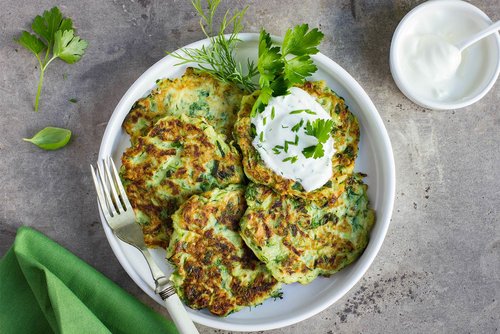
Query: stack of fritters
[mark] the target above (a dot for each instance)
(215, 269)
(233, 243)
(297, 234)
(180, 146)
(179, 157)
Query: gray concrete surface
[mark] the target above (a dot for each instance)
(439, 268)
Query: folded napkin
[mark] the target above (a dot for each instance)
(44, 289)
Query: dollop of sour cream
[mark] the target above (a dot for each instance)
(282, 120)
(433, 67)
(434, 57)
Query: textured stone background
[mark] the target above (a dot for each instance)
(439, 268)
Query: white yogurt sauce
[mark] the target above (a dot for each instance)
(434, 57)
(430, 63)
(275, 125)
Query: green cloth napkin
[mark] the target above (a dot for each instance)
(44, 289)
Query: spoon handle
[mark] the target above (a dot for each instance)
(480, 35)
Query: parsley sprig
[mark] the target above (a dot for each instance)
(321, 129)
(281, 68)
(218, 58)
(56, 36)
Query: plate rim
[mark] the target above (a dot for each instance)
(375, 243)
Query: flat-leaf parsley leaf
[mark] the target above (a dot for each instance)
(321, 129)
(281, 68)
(57, 37)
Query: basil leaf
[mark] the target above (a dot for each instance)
(51, 138)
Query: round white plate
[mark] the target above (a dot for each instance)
(300, 301)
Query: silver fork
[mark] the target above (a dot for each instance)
(120, 217)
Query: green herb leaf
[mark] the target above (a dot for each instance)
(218, 58)
(288, 142)
(298, 69)
(277, 149)
(262, 100)
(50, 138)
(31, 42)
(265, 42)
(270, 61)
(68, 47)
(73, 100)
(320, 128)
(301, 41)
(57, 37)
(277, 67)
(50, 22)
(307, 111)
(292, 159)
(315, 151)
(297, 126)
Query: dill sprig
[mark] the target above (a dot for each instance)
(218, 58)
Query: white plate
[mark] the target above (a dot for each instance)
(300, 301)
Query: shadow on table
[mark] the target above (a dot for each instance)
(7, 236)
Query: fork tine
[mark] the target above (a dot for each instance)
(113, 186)
(107, 196)
(100, 194)
(120, 186)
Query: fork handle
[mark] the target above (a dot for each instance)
(177, 312)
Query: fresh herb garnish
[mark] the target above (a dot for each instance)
(50, 138)
(218, 58)
(281, 68)
(297, 126)
(321, 129)
(314, 151)
(277, 149)
(277, 295)
(307, 111)
(57, 37)
(292, 159)
(295, 143)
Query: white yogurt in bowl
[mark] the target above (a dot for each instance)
(435, 75)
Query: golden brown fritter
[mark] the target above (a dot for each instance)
(214, 267)
(346, 138)
(298, 239)
(195, 94)
(179, 157)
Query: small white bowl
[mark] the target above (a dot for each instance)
(481, 61)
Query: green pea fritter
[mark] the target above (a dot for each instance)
(214, 267)
(179, 157)
(345, 134)
(195, 94)
(299, 240)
